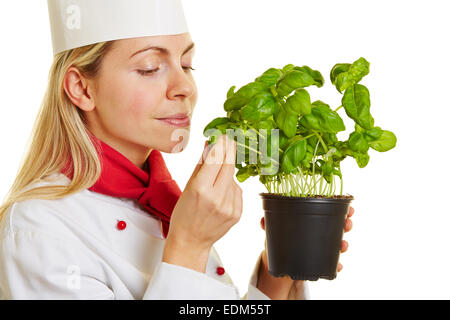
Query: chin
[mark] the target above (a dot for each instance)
(177, 142)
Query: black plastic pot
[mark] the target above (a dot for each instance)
(304, 235)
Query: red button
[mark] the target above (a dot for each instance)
(121, 225)
(220, 271)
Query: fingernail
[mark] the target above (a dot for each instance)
(208, 146)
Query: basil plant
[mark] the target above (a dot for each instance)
(291, 142)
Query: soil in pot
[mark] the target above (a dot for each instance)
(304, 234)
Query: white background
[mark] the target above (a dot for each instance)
(399, 243)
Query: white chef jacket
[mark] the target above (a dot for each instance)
(71, 248)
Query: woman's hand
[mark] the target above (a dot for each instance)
(209, 206)
(278, 287)
(347, 227)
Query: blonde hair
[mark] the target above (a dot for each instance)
(59, 133)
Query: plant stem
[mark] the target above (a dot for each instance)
(334, 185)
(289, 182)
(302, 181)
(300, 184)
(245, 146)
(328, 189)
(303, 138)
(299, 187)
(295, 184)
(337, 109)
(320, 188)
(257, 131)
(321, 141)
(314, 162)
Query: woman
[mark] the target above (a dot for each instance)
(88, 215)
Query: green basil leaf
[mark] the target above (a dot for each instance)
(386, 142)
(246, 172)
(337, 69)
(292, 80)
(215, 124)
(212, 140)
(272, 143)
(315, 74)
(250, 90)
(230, 92)
(244, 96)
(373, 133)
(345, 149)
(294, 141)
(323, 119)
(235, 115)
(299, 102)
(293, 155)
(357, 142)
(318, 103)
(265, 124)
(313, 142)
(287, 68)
(356, 102)
(262, 106)
(310, 121)
(338, 156)
(362, 159)
(353, 75)
(329, 138)
(287, 121)
(283, 139)
(269, 169)
(358, 128)
(306, 163)
(337, 172)
(270, 77)
(327, 168)
(235, 102)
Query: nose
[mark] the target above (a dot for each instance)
(181, 84)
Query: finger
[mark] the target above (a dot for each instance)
(205, 152)
(340, 267)
(227, 203)
(344, 246)
(351, 211)
(212, 164)
(262, 222)
(201, 160)
(348, 225)
(199, 163)
(238, 201)
(226, 173)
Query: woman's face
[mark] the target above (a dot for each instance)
(136, 86)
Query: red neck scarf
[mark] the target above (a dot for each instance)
(154, 189)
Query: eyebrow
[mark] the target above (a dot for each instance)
(162, 50)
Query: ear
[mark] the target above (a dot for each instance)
(76, 88)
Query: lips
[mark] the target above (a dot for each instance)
(176, 116)
(178, 120)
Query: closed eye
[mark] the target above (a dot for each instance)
(150, 72)
(147, 72)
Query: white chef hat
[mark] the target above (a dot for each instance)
(76, 23)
